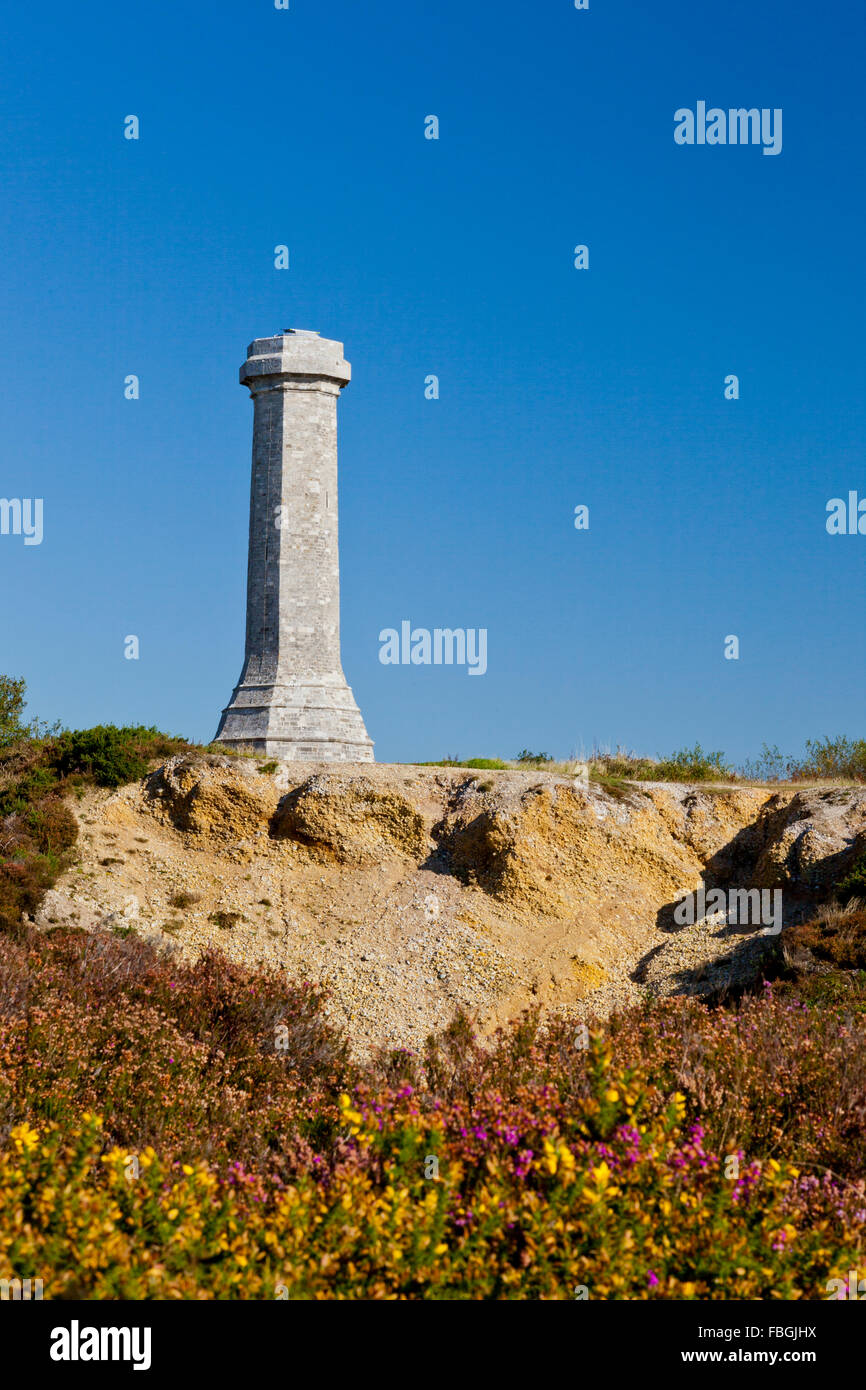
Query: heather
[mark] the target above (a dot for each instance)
(182, 1126)
(40, 766)
(176, 1130)
(608, 1206)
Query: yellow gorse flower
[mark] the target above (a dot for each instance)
(557, 1156)
(24, 1138)
(601, 1176)
(566, 1158)
(353, 1118)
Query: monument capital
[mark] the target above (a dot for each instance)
(298, 352)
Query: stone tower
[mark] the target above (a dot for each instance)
(292, 700)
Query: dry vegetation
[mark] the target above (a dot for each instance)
(177, 1129)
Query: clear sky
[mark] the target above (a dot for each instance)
(455, 257)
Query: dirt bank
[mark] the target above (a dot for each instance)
(416, 889)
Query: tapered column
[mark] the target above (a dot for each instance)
(292, 699)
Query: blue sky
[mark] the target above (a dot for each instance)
(453, 257)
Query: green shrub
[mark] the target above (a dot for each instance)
(490, 764)
(692, 765)
(28, 790)
(834, 757)
(38, 765)
(11, 708)
(108, 755)
(853, 885)
(771, 766)
(611, 769)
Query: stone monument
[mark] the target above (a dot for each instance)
(292, 700)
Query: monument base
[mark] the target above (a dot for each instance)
(299, 723)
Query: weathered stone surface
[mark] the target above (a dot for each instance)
(351, 821)
(809, 841)
(59, 909)
(537, 840)
(223, 798)
(292, 700)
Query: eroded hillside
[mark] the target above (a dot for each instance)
(416, 889)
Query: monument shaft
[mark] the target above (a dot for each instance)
(292, 700)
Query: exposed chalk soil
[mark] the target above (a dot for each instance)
(414, 890)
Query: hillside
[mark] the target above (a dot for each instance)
(414, 890)
(185, 1113)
